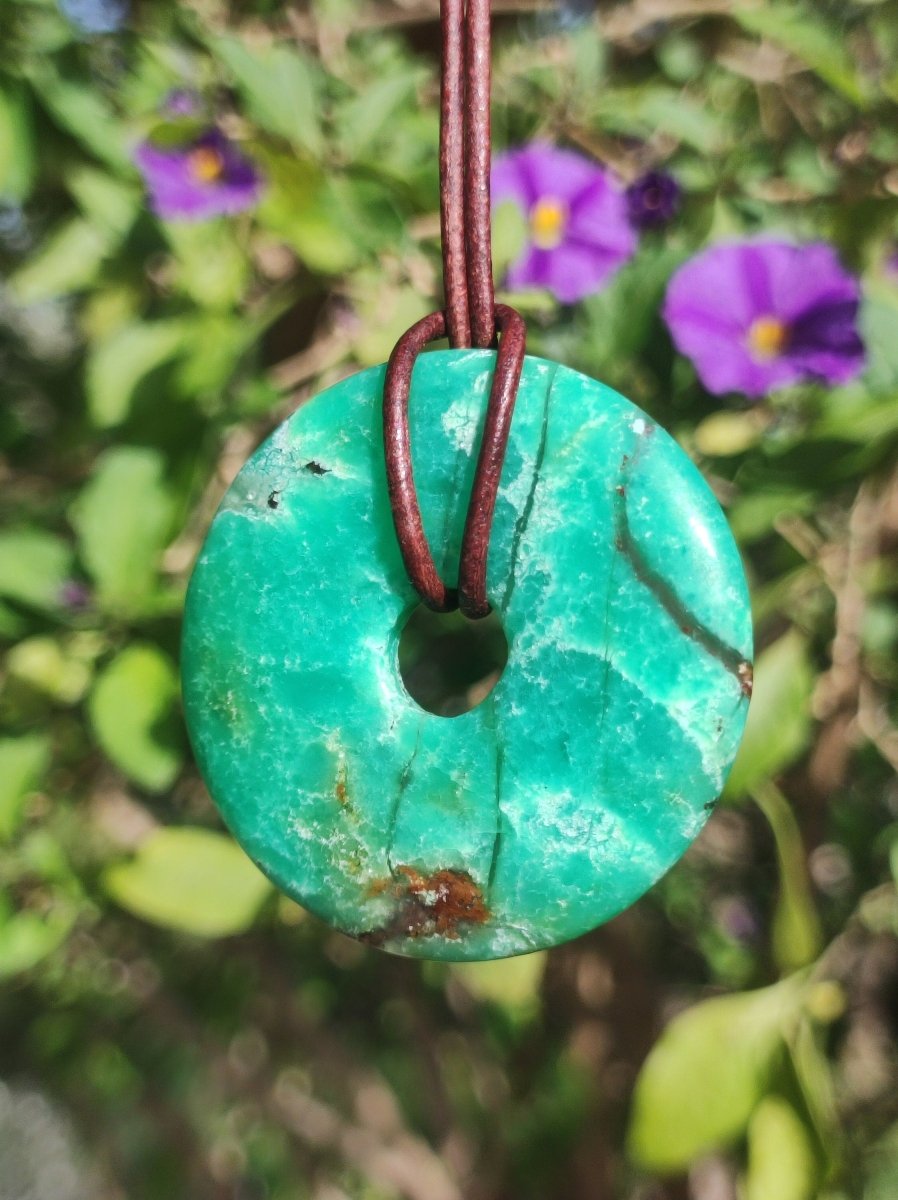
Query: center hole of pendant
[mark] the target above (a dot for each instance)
(449, 664)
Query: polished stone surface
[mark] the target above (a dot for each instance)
(596, 759)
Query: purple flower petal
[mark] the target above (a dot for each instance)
(205, 177)
(718, 302)
(594, 234)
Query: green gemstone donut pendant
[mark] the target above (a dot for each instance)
(596, 759)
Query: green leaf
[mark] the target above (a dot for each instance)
(386, 313)
(33, 567)
(278, 85)
(797, 936)
(132, 708)
(298, 205)
(104, 199)
(23, 761)
(779, 719)
(116, 365)
(26, 938)
(79, 109)
(366, 117)
(17, 151)
(726, 433)
(69, 260)
(512, 983)
(43, 664)
(190, 880)
(782, 1159)
(212, 269)
(705, 1075)
(509, 235)
(123, 518)
(806, 35)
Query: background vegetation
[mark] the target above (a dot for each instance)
(169, 1027)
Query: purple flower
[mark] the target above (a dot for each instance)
(198, 179)
(761, 314)
(577, 217)
(653, 199)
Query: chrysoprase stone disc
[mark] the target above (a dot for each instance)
(593, 763)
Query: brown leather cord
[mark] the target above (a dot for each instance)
(471, 594)
(471, 317)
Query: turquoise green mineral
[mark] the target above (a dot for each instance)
(594, 762)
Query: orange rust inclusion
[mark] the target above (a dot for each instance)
(438, 903)
(448, 896)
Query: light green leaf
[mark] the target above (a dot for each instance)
(385, 315)
(43, 664)
(512, 983)
(212, 269)
(68, 261)
(82, 112)
(279, 87)
(27, 937)
(509, 235)
(298, 206)
(669, 110)
(805, 34)
(123, 517)
(779, 718)
(704, 1077)
(116, 365)
(104, 199)
(782, 1159)
(190, 880)
(17, 156)
(797, 936)
(366, 116)
(132, 708)
(726, 433)
(33, 567)
(23, 761)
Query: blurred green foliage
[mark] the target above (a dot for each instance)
(140, 361)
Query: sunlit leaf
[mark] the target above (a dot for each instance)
(797, 936)
(727, 433)
(512, 983)
(34, 566)
(17, 150)
(104, 199)
(706, 1074)
(23, 761)
(123, 517)
(782, 1158)
(279, 87)
(42, 663)
(116, 365)
(26, 938)
(131, 709)
(803, 33)
(779, 718)
(210, 265)
(68, 261)
(191, 880)
(82, 112)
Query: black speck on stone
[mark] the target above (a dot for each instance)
(315, 468)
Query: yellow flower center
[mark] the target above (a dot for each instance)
(768, 338)
(206, 164)
(548, 218)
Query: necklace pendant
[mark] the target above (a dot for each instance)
(595, 760)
